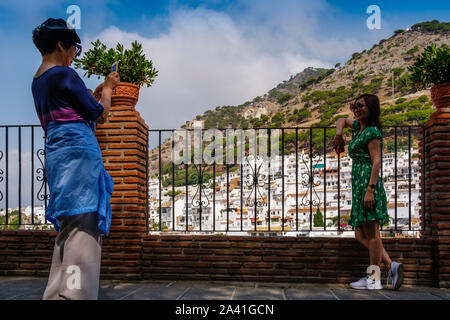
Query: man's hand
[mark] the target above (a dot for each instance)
(369, 199)
(98, 91)
(112, 80)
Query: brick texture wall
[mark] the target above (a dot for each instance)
(26, 253)
(437, 191)
(196, 257)
(123, 141)
(279, 259)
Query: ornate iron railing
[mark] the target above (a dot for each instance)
(20, 206)
(256, 194)
(224, 202)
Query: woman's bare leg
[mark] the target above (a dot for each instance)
(362, 238)
(371, 229)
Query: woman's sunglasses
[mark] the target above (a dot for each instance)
(77, 50)
(354, 106)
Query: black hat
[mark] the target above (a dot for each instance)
(57, 24)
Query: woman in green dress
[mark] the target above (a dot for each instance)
(369, 204)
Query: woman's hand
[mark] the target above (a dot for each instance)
(369, 199)
(112, 80)
(338, 143)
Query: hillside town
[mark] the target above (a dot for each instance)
(287, 197)
(235, 212)
(282, 200)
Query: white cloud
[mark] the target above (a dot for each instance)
(206, 60)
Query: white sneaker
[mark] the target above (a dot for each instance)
(373, 280)
(395, 274)
(360, 284)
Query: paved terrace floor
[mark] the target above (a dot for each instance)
(26, 288)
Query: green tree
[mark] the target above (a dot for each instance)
(318, 218)
(423, 98)
(275, 94)
(434, 25)
(244, 124)
(397, 71)
(414, 105)
(413, 50)
(13, 221)
(264, 118)
(285, 98)
(177, 192)
(400, 100)
(278, 118)
(421, 116)
(394, 120)
(303, 113)
(402, 144)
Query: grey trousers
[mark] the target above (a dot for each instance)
(75, 269)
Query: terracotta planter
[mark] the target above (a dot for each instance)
(125, 94)
(440, 94)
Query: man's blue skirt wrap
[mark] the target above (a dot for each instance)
(76, 177)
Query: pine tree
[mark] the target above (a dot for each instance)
(318, 218)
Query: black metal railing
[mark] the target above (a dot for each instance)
(23, 187)
(306, 188)
(199, 202)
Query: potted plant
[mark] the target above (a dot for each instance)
(432, 68)
(134, 69)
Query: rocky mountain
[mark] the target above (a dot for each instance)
(381, 70)
(318, 97)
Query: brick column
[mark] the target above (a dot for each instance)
(436, 181)
(123, 141)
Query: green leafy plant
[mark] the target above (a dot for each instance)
(400, 100)
(133, 66)
(413, 50)
(318, 218)
(432, 67)
(285, 98)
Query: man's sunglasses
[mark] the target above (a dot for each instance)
(354, 106)
(78, 49)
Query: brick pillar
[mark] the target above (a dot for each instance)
(123, 141)
(436, 150)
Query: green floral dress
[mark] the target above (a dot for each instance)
(358, 150)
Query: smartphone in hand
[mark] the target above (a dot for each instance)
(115, 66)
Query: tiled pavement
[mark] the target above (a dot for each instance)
(25, 288)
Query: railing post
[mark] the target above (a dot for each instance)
(123, 140)
(435, 199)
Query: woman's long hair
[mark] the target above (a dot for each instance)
(373, 103)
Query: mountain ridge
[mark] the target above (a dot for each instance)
(366, 71)
(318, 96)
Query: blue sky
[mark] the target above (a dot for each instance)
(209, 53)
